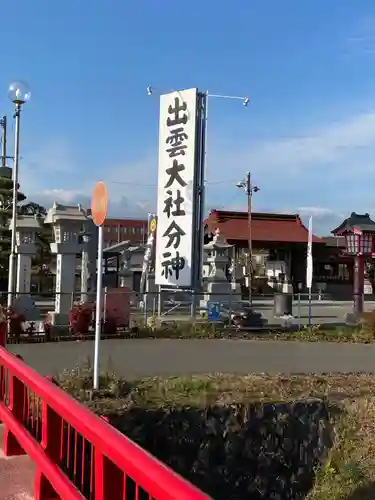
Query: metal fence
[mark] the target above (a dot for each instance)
(297, 310)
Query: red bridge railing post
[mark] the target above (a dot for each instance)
(52, 436)
(17, 400)
(109, 479)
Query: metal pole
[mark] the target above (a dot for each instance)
(3, 123)
(154, 306)
(203, 117)
(105, 304)
(198, 213)
(310, 311)
(358, 285)
(250, 242)
(98, 315)
(203, 186)
(159, 302)
(12, 259)
(145, 295)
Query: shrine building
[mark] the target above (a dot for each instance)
(279, 246)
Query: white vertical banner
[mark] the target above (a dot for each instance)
(149, 250)
(309, 260)
(176, 171)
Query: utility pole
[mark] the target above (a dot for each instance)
(249, 193)
(250, 189)
(3, 125)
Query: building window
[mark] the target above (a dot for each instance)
(57, 231)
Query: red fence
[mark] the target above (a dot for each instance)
(77, 454)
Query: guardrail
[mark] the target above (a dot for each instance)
(77, 454)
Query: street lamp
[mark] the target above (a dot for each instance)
(247, 185)
(19, 94)
(359, 233)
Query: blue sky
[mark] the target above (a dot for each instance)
(308, 67)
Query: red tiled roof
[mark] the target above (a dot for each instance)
(284, 228)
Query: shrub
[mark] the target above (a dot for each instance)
(80, 318)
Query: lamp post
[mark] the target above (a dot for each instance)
(359, 233)
(247, 185)
(19, 94)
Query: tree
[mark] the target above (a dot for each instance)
(32, 208)
(6, 200)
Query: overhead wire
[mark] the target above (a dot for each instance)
(132, 183)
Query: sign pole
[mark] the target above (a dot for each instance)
(198, 232)
(99, 301)
(99, 206)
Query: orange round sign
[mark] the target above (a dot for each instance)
(99, 203)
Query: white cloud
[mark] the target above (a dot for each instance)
(319, 212)
(334, 164)
(323, 219)
(62, 195)
(51, 173)
(327, 145)
(361, 42)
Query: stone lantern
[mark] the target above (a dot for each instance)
(67, 224)
(27, 227)
(359, 233)
(89, 236)
(217, 287)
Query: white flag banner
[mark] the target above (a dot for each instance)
(148, 251)
(309, 260)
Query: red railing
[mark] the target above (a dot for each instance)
(77, 454)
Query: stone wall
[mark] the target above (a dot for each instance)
(237, 452)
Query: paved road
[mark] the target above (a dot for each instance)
(136, 358)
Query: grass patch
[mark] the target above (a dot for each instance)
(349, 471)
(205, 330)
(317, 333)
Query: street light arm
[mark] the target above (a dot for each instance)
(220, 96)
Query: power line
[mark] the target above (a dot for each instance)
(227, 204)
(131, 183)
